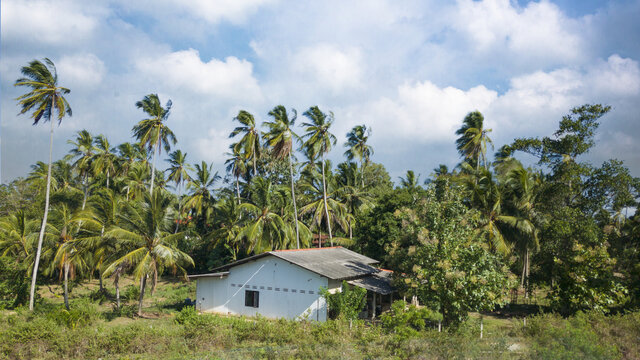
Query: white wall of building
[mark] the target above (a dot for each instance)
(286, 291)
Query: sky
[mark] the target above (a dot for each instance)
(410, 70)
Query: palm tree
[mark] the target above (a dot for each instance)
(136, 181)
(145, 231)
(410, 181)
(178, 173)
(153, 132)
(249, 144)
(18, 235)
(472, 143)
(82, 152)
(319, 142)
(522, 187)
(228, 225)
(237, 166)
(265, 229)
(105, 159)
(323, 206)
(280, 138)
(358, 148)
(43, 100)
(201, 187)
(68, 226)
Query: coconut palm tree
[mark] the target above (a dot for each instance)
(472, 143)
(68, 226)
(358, 148)
(105, 160)
(201, 188)
(280, 139)
(153, 132)
(265, 229)
(136, 181)
(228, 225)
(178, 173)
(410, 181)
(237, 166)
(319, 141)
(249, 145)
(18, 235)
(83, 153)
(44, 99)
(145, 230)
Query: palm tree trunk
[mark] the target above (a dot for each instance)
(153, 168)
(362, 175)
(293, 198)
(85, 190)
(238, 187)
(44, 219)
(324, 196)
(143, 282)
(116, 282)
(66, 287)
(107, 179)
(179, 208)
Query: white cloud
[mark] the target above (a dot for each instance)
(51, 22)
(617, 76)
(81, 70)
(213, 147)
(331, 68)
(539, 32)
(423, 112)
(183, 71)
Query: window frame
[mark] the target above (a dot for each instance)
(252, 298)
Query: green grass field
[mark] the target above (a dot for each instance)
(93, 329)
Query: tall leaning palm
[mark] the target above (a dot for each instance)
(83, 153)
(280, 138)
(472, 143)
(318, 142)
(43, 100)
(358, 148)
(249, 145)
(153, 132)
(237, 166)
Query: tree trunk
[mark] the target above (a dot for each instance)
(85, 190)
(107, 179)
(362, 175)
(100, 280)
(66, 286)
(238, 187)
(143, 282)
(179, 208)
(44, 218)
(116, 283)
(326, 207)
(153, 167)
(293, 198)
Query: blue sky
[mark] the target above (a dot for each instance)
(410, 70)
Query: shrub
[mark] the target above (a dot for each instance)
(187, 315)
(14, 283)
(131, 292)
(347, 303)
(81, 313)
(408, 321)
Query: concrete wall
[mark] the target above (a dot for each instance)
(286, 291)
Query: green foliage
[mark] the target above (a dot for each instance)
(408, 321)
(81, 313)
(187, 315)
(14, 283)
(442, 261)
(345, 304)
(582, 271)
(571, 339)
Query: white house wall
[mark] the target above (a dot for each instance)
(286, 291)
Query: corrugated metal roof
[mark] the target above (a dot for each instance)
(218, 274)
(336, 263)
(379, 283)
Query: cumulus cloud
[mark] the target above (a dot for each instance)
(50, 22)
(183, 71)
(81, 70)
(329, 67)
(538, 32)
(213, 146)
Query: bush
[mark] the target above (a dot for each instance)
(573, 338)
(14, 283)
(347, 303)
(187, 315)
(408, 321)
(81, 313)
(131, 292)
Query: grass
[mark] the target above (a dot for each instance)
(92, 330)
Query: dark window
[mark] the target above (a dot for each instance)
(251, 298)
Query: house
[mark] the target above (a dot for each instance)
(286, 283)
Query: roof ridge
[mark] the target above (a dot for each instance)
(307, 249)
